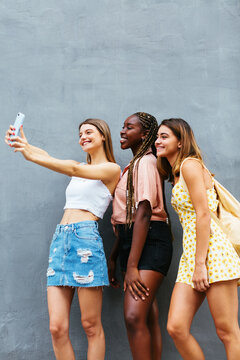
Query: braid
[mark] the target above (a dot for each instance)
(149, 123)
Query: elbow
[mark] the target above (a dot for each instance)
(74, 170)
(204, 216)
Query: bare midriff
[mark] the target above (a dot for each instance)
(76, 215)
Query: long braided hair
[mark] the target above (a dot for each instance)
(149, 124)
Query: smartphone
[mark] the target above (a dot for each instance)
(17, 124)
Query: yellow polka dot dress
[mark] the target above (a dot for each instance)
(223, 263)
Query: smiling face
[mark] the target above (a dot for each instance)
(167, 144)
(132, 134)
(90, 138)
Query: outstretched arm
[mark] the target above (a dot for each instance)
(102, 172)
(192, 172)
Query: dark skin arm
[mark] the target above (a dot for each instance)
(166, 210)
(132, 279)
(112, 261)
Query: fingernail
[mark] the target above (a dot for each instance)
(21, 126)
(143, 298)
(13, 133)
(147, 294)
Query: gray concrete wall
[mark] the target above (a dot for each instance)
(63, 61)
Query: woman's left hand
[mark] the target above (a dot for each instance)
(19, 143)
(134, 283)
(200, 279)
(112, 273)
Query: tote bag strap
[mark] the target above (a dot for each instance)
(181, 178)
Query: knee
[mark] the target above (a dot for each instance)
(92, 327)
(132, 320)
(225, 332)
(58, 330)
(177, 330)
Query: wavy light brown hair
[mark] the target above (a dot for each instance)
(104, 130)
(189, 148)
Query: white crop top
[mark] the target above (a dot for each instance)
(88, 194)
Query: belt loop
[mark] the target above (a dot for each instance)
(72, 226)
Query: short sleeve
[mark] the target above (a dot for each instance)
(147, 180)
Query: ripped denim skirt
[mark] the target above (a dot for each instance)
(77, 256)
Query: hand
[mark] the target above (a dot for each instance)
(134, 283)
(200, 280)
(9, 132)
(19, 143)
(112, 273)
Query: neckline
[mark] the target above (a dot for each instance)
(149, 151)
(211, 188)
(83, 163)
(81, 178)
(180, 174)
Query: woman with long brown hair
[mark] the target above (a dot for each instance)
(209, 266)
(143, 236)
(77, 259)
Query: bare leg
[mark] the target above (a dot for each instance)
(223, 303)
(155, 331)
(136, 317)
(185, 302)
(59, 303)
(90, 301)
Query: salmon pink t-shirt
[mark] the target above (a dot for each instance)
(147, 186)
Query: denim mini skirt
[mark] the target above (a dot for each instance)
(77, 257)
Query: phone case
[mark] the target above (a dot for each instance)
(17, 124)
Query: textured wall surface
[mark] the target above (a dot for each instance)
(63, 61)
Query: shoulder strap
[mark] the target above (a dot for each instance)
(188, 158)
(201, 162)
(209, 172)
(181, 178)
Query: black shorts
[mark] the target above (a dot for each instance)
(157, 251)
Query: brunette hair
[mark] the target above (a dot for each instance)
(150, 125)
(189, 148)
(104, 130)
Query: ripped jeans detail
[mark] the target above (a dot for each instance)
(76, 256)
